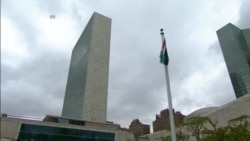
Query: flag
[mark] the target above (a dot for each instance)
(164, 53)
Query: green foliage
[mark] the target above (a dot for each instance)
(238, 129)
(180, 136)
(215, 134)
(167, 138)
(195, 126)
(242, 120)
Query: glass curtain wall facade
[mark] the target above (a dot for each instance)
(235, 46)
(76, 84)
(30, 132)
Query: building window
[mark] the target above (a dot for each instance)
(48, 133)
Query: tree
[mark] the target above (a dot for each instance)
(241, 120)
(167, 138)
(195, 126)
(239, 128)
(180, 135)
(216, 134)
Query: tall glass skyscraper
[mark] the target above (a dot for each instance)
(235, 46)
(87, 85)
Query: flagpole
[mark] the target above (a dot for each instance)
(171, 115)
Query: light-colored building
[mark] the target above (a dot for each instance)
(220, 115)
(87, 85)
(60, 129)
(85, 103)
(235, 46)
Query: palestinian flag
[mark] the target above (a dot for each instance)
(164, 53)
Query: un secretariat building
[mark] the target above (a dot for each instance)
(235, 45)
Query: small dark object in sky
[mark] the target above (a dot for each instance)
(52, 16)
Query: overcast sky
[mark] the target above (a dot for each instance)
(36, 51)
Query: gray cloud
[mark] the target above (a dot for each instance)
(136, 81)
(244, 20)
(37, 87)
